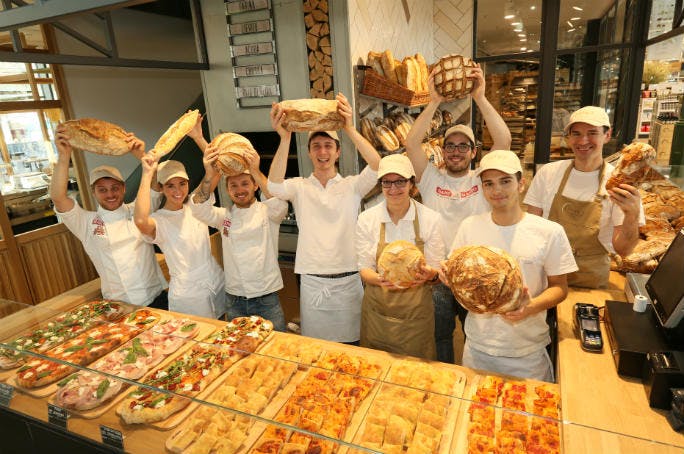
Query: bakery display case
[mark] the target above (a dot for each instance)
(151, 381)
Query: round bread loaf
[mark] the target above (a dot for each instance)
(168, 141)
(451, 78)
(232, 150)
(97, 136)
(311, 115)
(484, 279)
(400, 262)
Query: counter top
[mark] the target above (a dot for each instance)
(594, 395)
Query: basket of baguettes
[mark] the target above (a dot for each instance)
(406, 82)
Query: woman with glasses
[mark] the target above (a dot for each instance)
(393, 319)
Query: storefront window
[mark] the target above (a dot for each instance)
(508, 27)
(584, 23)
(662, 14)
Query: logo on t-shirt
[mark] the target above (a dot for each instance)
(446, 192)
(99, 224)
(226, 227)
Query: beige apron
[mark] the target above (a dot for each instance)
(399, 321)
(581, 221)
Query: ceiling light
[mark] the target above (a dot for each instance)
(523, 39)
(575, 18)
(522, 35)
(523, 48)
(516, 23)
(571, 30)
(533, 7)
(577, 8)
(509, 16)
(570, 24)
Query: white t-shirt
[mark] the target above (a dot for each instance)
(126, 264)
(326, 218)
(454, 198)
(368, 233)
(541, 249)
(250, 244)
(580, 186)
(197, 282)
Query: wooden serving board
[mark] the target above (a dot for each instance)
(204, 330)
(49, 389)
(395, 386)
(460, 445)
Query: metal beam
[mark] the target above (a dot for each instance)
(82, 38)
(547, 77)
(50, 11)
(198, 28)
(39, 57)
(109, 35)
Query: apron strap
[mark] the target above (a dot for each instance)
(566, 176)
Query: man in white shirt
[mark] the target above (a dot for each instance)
(514, 343)
(327, 206)
(572, 192)
(454, 192)
(249, 237)
(127, 265)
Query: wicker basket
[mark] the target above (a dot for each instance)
(377, 86)
(450, 80)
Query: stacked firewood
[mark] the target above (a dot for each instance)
(319, 49)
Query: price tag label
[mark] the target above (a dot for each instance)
(233, 7)
(57, 416)
(255, 70)
(257, 92)
(250, 27)
(6, 394)
(252, 49)
(111, 437)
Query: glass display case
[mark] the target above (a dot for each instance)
(152, 381)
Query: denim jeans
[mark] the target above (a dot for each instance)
(446, 310)
(266, 306)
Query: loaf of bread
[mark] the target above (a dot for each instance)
(451, 77)
(374, 60)
(368, 131)
(484, 279)
(97, 136)
(168, 141)
(311, 115)
(400, 262)
(401, 130)
(424, 73)
(632, 166)
(387, 138)
(388, 66)
(232, 150)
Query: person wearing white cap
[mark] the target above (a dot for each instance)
(127, 265)
(196, 285)
(249, 238)
(515, 343)
(398, 320)
(572, 192)
(327, 206)
(454, 191)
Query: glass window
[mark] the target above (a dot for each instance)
(662, 14)
(508, 27)
(585, 23)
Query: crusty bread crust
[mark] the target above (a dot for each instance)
(149, 415)
(633, 165)
(311, 115)
(168, 141)
(97, 136)
(232, 149)
(400, 262)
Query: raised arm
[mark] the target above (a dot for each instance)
(142, 218)
(211, 176)
(420, 128)
(196, 134)
(60, 174)
(137, 149)
(366, 149)
(253, 161)
(278, 168)
(501, 135)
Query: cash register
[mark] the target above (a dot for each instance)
(648, 345)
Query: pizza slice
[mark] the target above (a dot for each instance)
(481, 444)
(510, 443)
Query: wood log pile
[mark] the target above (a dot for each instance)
(319, 49)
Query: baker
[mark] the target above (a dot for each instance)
(514, 343)
(127, 265)
(572, 193)
(327, 206)
(454, 192)
(398, 320)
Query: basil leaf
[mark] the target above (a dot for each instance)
(156, 401)
(104, 386)
(131, 318)
(74, 348)
(138, 348)
(23, 368)
(43, 374)
(66, 380)
(131, 357)
(188, 327)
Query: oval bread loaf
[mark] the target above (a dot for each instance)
(400, 262)
(232, 150)
(387, 138)
(484, 279)
(168, 141)
(451, 77)
(97, 136)
(311, 115)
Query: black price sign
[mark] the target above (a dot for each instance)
(111, 437)
(6, 394)
(57, 416)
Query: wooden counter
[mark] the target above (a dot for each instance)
(595, 396)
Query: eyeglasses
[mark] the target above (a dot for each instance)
(461, 147)
(397, 183)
